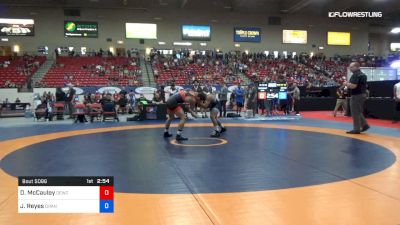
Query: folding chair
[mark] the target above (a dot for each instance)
(79, 113)
(59, 110)
(95, 111)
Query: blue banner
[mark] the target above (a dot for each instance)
(246, 34)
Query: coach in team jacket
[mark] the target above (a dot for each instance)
(357, 86)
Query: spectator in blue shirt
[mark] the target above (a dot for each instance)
(239, 93)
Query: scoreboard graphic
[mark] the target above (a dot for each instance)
(272, 91)
(65, 194)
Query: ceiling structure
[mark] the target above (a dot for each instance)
(390, 8)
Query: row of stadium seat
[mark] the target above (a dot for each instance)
(14, 71)
(81, 71)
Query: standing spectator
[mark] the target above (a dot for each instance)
(239, 94)
(197, 88)
(295, 92)
(252, 100)
(341, 101)
(123, 92)
(172, 90)
(60, 95)
(357, 85)
(208, 88)
(70, 99)
(396, 96)
(284, 105)
(162, 94)
(223, 98)
(132, 100)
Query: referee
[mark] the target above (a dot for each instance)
(357, 86)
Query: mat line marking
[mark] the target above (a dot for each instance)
(336, 175)
(120, 128)
(190, 187)
(221, 142)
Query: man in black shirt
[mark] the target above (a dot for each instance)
(252, 101)
(70, 99)
(197, 88)
(162, 94)
(357, 86)
(60, 95)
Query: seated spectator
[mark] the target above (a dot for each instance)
(43, 110)
(156, 98)
(17, 100)
(109, 105)
(143, 100)
(122, 102)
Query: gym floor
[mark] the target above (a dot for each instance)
(303, 171)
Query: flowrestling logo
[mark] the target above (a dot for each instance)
(355, 14)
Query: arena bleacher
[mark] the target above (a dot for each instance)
(93, 71)
(15, 71)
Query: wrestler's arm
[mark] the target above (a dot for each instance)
(207, 102)
(192, 105)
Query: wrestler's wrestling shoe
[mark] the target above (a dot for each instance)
(180, 138)
(215, 134)
(167, 135)
(223, 129)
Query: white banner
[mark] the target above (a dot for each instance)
(145, 90)
(111, 90)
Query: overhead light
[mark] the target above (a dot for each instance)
(214, 21)
(157, 18)
(164, 3)
(120, 42)
(237, 45)
(16, 48)
(183, 43)
(203, 44)
(321, 47)
(161, 43)
(4, 39)
(112, 49)
(148, 51)
(395, 30)
(276, 54)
